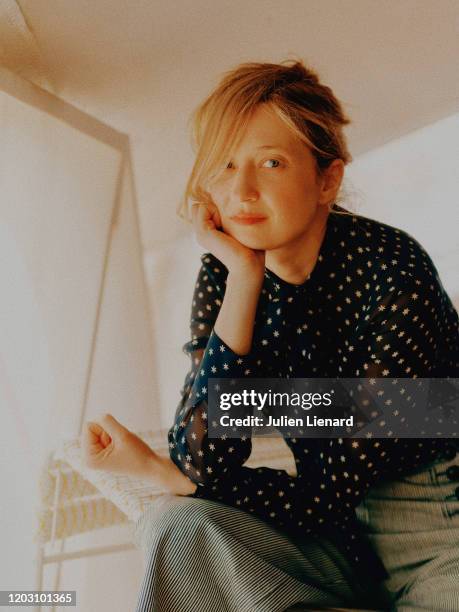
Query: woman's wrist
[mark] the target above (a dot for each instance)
(163, 472)
(235, 321)
(248, 278)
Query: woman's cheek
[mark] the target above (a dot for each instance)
(217, 201)
(217, 193)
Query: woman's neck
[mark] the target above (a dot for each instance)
(294, 262)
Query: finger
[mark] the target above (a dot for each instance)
(194, 211)
(97, 434)
(90, 440)
(217, 218)
(93, 431)
(94, 427)
(205, 218)
(112, 426)
(214, 219)
(105, 439)
(198, 211)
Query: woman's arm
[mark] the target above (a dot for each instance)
(236, 319)
(402, 340)
(222, 323)
(232, 313)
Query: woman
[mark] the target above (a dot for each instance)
(295, 286)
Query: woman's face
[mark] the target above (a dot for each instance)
(269, 192)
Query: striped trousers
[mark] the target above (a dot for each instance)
(203, 556)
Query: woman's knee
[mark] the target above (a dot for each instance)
(176, 519)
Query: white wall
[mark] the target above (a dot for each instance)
(411, 183)
(171, 275)
(61, 175)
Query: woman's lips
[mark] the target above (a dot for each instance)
(247, 219)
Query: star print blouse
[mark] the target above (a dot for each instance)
(373, 306)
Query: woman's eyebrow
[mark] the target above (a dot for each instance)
(273, 147)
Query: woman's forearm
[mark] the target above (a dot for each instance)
(235, 321)
(166, 475)
(199, 457)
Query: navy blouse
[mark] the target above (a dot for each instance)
(373, 306)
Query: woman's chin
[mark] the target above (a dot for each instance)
(256, 244)
(256, 241)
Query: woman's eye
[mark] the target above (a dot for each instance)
(273, 163)
(269, 163)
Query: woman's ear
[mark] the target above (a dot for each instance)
(330, 181)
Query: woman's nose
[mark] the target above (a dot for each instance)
(244, 186)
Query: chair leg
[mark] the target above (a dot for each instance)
(57, 577)
(39, 572)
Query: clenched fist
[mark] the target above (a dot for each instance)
(235, 256)
(108, 445)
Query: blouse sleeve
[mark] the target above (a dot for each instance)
(401, 340)
(200, 458)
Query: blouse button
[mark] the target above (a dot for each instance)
(453, 472)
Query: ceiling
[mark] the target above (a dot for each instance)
(143, 66)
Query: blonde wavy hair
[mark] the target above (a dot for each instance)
(308, 108)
